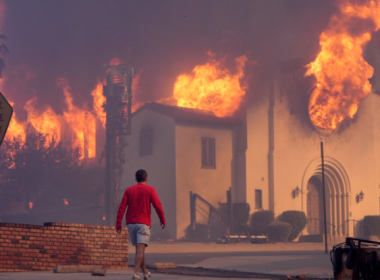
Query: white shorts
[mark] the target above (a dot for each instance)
(139, 233)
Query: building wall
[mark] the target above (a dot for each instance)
(297, 146)
(211, 184)
(31, 247)
(257, 146)
(160, 166)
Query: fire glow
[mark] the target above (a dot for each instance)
(340, 70)
(81, 123)
(212, 88)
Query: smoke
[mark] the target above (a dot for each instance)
(161, 39)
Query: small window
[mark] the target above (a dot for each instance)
(258, 199)
(146, 142)
(208, 153)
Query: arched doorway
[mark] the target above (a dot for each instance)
(337, 192)
(314, 206)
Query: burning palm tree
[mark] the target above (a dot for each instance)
(3, 51)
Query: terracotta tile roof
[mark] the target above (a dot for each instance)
(188, 115)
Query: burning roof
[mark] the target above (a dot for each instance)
(189, 115)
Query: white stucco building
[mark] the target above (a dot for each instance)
(283, 155)
(272, 162)
(182, 150)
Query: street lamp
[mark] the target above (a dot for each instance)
(360, 196)
(296, 192)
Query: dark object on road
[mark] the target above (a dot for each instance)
(162, 265)
(99, 272)
(356, 259)
(75, 268)
(254, 239)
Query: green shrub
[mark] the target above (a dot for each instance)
(278, 231)
(260, 220)
(241, 213)
(297, 219)
(371, 225)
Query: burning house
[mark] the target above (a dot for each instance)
(290, 110)
(183, 150)
(254, 123)
(291, 178)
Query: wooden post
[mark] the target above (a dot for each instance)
(324, 196)
(192, 211)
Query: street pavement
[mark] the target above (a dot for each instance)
(121, 274)
(281, 258)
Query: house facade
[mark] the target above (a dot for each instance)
(272, 162)
(283, 157)
(182, 150)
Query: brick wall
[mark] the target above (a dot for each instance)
(31, 247)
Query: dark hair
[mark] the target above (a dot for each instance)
(141, 175)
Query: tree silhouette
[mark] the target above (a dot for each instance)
(44, 171)
(3, 51)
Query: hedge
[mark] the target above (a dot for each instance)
(278, 231)
(297, 219)
(241, 213)
(260, 220)
(371, 225)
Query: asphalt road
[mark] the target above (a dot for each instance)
(193, 258)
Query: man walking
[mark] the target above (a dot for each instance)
(138, 199)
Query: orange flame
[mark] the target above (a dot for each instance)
(15, 128)
(341, 72)
(82, 123)
(65, 201)
(30, 205)
(45, 123)
(212, 88)
(99, 99)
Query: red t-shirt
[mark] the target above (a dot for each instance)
(138, 199)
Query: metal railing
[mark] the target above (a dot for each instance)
(333, 233)
(359, 224)
(205, 209)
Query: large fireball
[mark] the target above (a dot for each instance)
(340, 70)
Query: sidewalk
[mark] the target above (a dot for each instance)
(273, 259)
(315, 265)
(192, 247)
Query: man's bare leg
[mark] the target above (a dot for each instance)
(140, 248)
(143, 267)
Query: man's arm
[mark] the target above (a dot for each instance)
(121, 211)
(158, 207)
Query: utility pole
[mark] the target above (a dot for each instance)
(118, 108)
(324, 196)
